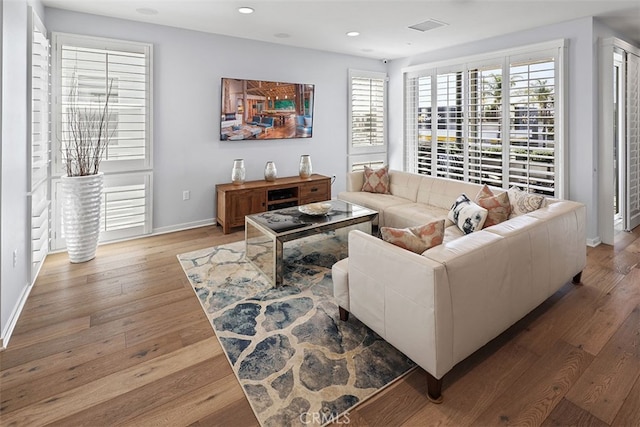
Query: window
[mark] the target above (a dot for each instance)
(91, 67)
(367, 119)
(486, 131)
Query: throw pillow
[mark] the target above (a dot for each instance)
(467, 215)
(376, 180)
(522, 202)
(416, 239)
(498, 207)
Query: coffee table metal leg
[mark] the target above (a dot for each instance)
(279, 261)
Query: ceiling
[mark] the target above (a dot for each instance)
(383, 24)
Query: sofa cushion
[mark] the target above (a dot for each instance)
(375, 201)
(522, 202)
(498, 206)
(376, 180)
(441, 192)
(412, 214)
(416, 239)
(452, 233)
(404, 184)
(467, 215)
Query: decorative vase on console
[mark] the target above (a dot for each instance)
(238, 172)
(305, 166)
(270, 172)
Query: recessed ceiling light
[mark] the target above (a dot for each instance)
(353, 33)
(245, 10)
(147, 11)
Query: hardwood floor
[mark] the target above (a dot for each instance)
(122, 340)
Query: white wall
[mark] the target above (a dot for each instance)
(14, 280)
(188, 66)
(582, 101)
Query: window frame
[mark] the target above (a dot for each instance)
(117, 173)
(374, 153)
(504, 58)
(57, 40)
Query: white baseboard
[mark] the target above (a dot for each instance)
(13, 318)
(181, 227)
(594, 242)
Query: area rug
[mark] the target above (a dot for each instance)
(297, 362)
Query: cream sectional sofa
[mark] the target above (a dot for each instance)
(440, 306)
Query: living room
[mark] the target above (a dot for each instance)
(188, 153)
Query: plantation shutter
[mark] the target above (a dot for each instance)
(94, 71)
(418, 130)
(484, 125)
(93, 65)
(450, 143)
(532, 142)
(367, 118)
(492, 120)
(39, 120)
(633, 140)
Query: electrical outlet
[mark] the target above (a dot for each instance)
(15, 258)
(186, 195)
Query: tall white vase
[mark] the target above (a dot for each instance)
(81, 197)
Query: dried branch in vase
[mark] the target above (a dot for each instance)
(88, 133)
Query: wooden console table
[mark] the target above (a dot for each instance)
(234, 202)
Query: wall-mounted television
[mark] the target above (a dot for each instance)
(260, 109)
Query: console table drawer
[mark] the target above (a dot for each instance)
(314, 192)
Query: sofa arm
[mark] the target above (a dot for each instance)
(355, 181)
(399, 294)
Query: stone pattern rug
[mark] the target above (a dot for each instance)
(297, 362)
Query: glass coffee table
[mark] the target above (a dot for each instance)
(265, 233)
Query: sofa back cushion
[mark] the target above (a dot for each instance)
(405, 184)
(442, 192)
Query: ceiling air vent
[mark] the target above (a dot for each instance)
(429, 24)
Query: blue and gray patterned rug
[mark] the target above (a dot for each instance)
(297, 362)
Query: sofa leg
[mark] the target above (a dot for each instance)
(577, 278)
(434, 389)
(344, 314)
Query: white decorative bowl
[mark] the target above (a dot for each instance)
(321, 208)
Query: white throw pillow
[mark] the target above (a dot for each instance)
(467, 215)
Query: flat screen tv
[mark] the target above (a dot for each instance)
(260, 109)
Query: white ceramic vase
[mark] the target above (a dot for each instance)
(305, 166)
(238, 172)
(81, 201)
(270, 172)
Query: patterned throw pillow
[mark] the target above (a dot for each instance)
(467, 215)
(376, 180)
(522, 202)
(498, 207)
(416, 239)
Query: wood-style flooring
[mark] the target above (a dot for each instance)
(122, 340)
